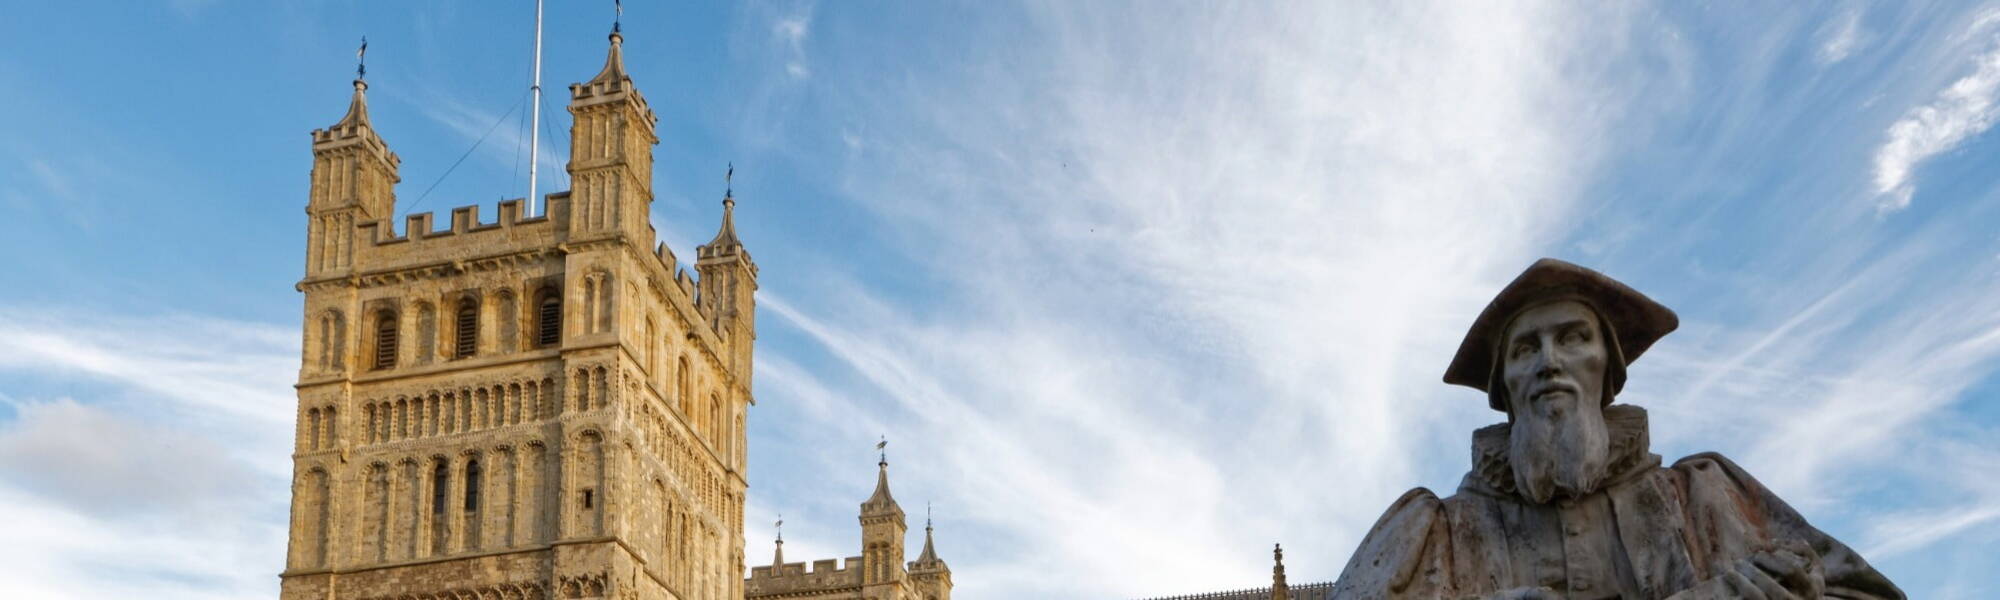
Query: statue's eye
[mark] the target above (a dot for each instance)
(1575, 336)
(1521, 350)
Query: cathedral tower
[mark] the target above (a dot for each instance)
(531, 406)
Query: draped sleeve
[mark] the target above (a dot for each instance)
(1403, 555)
(1733, 516)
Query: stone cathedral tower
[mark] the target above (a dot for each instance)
(536, 406)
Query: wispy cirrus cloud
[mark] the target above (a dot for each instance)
(791, 30)
(1843, 36)
(169, 480)
(1164, 296)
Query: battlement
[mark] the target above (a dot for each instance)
(1311, 591)
(422, 242)
(794, 577)
(464, 220)
(379, 247)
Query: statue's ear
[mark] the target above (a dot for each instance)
(1496, 387)
(1614, 365)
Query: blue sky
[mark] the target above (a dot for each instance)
(1135, 290)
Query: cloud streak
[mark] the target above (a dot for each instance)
(1965, 108)
(1164, 297)
(169, 480)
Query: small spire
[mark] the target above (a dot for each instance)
(881, 501)
(725, 238)
(614, 64)
(357, 109)
(929, 555)
(778, 558)
(1279, 590)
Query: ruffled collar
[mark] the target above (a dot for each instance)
(1631, 453)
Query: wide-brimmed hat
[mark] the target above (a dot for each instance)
(1634, 321)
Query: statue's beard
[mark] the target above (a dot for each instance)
(1559, 453)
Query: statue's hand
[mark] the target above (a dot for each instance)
(1523, 593)
(1790, 571)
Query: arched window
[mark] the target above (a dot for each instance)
(548, 318)
(465, 329)
(715, 421)
(439, 523)
(385, 340)
(682, 392)
(439, 477)
(332, 341)
(472, 486)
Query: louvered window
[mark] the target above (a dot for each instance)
(385, 341)
(548, 321)
(466, 340)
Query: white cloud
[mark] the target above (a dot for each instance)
(100, 462)
(791, 30)
(1842, 37)
(1961, 110)
(171, 483)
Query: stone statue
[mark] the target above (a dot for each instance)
(1565, 499)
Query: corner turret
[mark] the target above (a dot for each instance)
(882, 531)
(353, 181)
(611, 155)
(728, 289)
(930, 578)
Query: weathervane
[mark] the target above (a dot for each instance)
(781, 528)
(618, 5)
(728, 182)
(882, 446)
(361, 60)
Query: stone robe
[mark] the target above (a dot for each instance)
(1650, 532)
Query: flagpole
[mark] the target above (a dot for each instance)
(535, 124)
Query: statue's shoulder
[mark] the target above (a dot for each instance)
(1714, 467)
(1394, 549)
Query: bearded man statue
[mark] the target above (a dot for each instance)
(1565, 499)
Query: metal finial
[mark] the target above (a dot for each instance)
(618, 5)
(361, 60)
(882, 446)
(729, 181)
(781, 528)
(927, 515)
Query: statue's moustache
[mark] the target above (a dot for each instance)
(1551, 387)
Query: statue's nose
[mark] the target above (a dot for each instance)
(1547, 365)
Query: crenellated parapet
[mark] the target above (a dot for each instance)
(826, 575)
(464, 237)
